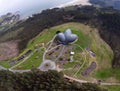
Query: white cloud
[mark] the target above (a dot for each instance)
(8, 5)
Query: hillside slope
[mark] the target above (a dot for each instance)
(107, 3)
(90, 49)
(105, 19)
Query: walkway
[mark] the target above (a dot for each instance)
(84, 81)
(57, 68)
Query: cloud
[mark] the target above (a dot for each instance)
(8, 5)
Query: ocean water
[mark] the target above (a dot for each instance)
(28, 7)
(42, 5)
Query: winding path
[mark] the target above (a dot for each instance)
(65, 76)
(83, 62)
(84, 81)
(2, 68)
(51, 41)
(57, 68)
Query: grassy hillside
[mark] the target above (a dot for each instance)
(112, 88)
(48, 34)
(104, 19)
(88, 37)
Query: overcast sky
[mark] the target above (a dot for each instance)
(25, 6)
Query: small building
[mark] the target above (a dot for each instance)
(71, 56)
(72, 53)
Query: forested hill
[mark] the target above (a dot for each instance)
(41, 81)
(107, 20)
(106, 3)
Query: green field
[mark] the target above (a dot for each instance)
(32, 62)
(47, 35)
(112, 88)
(87, 37)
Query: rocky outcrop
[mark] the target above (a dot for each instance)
(8, 20)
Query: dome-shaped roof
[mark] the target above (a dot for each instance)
(66, 37)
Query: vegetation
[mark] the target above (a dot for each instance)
(105, 19)
(86, 39)
(33, 62)
(41, 81)
(112, 88)
(106, 74)
(45, 37)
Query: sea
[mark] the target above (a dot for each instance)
(28, 7)
(41, 5)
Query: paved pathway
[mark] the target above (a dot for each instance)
(83, 62)
(19, 71)
(47, 49)
(57, 68)
(84, 81)
(74, 79)
(2, 68)
(66, 76)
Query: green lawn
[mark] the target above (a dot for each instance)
(87, 37)
(33, 62)
(107, 73)
(48, 34)
(112, 88)
(5, 64)
(70, 65)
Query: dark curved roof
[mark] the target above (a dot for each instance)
(66, 37)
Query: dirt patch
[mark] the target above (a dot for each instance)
(91, 68)
(8, 50)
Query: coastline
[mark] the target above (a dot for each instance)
(75, 2)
